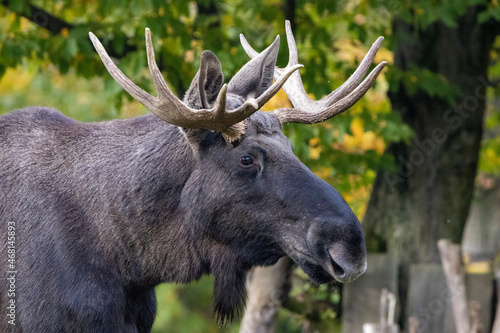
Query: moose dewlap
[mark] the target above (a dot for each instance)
(105, 211)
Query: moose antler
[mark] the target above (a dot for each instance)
(308, 111)
(171, 109)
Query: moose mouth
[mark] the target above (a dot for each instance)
(321, 271)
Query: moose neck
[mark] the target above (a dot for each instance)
(148, 232)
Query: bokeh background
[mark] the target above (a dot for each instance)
(411, 158)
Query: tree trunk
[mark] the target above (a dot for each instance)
(428, 197)
(267, 288)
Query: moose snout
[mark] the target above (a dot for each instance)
(345, 266)
(339, 246)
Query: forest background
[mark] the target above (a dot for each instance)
(407, 157)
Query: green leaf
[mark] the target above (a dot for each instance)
(119, 39)
(71, 47)
(19, 6)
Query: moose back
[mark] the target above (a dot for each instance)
(99, 214)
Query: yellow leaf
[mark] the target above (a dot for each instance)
(280, 100)
(350, 143)
(380, 146)
(357, 128)
(368, 141)
(490, 153)
(314, 142)
(314, 152)
(189, 56)
(384, 54)
(323, 172)
(359, 19)
(360, 141)
(14, 79)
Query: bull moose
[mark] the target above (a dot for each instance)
(95, 215)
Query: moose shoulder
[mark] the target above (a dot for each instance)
(106, 211)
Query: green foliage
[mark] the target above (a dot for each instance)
(86, 100)
(188, 309)
(423, 13)
(423, 80)
(492, 12)
(489, 158)
(317, 305)
(61, 70)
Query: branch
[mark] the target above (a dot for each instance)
(55, 26)
(265, 294)
(40, 17)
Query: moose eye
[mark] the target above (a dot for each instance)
(246, 160)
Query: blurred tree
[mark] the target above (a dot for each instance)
(438, 86)
(441, 51)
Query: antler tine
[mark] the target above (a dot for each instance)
(252, 104)
(158, 80)
(293, 87)
(129, 86)
(248, 48)
(293, 54)
(172, 110)
(166, 106)
(356, 77)
(310, 111)
(281, 81)
(295, 115)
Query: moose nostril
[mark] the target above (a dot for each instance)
(337, 263)
(345, 266)
(339, 271)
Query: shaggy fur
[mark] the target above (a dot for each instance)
(104, 212)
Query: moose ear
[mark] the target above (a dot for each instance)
(206, 84)
(257, 75)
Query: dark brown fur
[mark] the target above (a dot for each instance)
(106, 211)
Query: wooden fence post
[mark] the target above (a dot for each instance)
(450, 258)
(387, 309)
(496, 324)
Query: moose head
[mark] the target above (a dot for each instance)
(205, 185)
